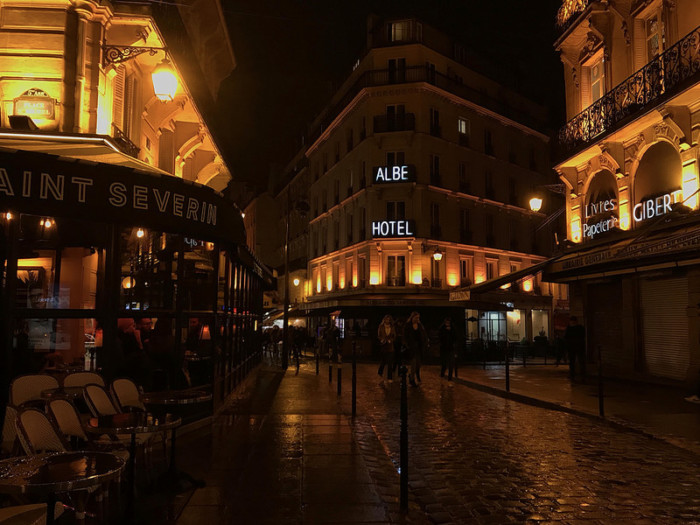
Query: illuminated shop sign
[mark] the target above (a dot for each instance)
(656, 206)
(35, 103)
(600, 217)
(393, 229)
(387, 174)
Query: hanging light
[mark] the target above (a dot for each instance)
(47, 223)
(164, 81)
(535, 204)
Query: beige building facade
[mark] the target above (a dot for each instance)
(629, 160)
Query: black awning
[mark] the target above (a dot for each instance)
(464, 294)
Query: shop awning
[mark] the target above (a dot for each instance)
(466, 293)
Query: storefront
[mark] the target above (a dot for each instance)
(90, 251)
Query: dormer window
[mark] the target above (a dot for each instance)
(398, 31)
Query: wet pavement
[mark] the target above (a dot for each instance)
(286, 450)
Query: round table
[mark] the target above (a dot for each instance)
(177, 398)
(47, 474)
(131, 423)
(63, 392)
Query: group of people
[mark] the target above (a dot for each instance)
(407, 342)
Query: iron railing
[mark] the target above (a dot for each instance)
(569, 11)
(665, 75)
(124, 143)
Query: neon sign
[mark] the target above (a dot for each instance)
(393, 229)
(389, 174)
(656, 206)
(593, 211)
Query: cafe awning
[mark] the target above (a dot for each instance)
(466, 293)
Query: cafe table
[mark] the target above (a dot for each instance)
(45, 475)
(175, 398)
(131, 423)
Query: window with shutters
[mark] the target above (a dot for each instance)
(597, 73)
(118, 90)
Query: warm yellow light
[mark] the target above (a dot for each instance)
(417, 277)
(47, 223)
(576, 230)
(8, 216)
(452, 279)
(296, 281)
(374, 278)
(128, 282)
(437, 255)
(690, 185)
(527, 285)
(140, 233)
(479, 277)
(535, 204)
(318, 286)
(164, 81)
(354, 281)
(342, 282)
(329, 283)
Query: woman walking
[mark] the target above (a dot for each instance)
(386, 335)
(447, 348)
(416, 340)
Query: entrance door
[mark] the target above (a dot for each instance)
(665, 326)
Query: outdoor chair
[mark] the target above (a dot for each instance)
(98, 401)
(10, 446)
(127, 395)
(82, 379)
(37, 433)
(27, 389)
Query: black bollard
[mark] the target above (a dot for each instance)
(354, 381)
(403, 439)
(601, 398)
(507, 369)
(340, 373)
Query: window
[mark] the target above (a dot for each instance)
(488, 184)
(464, 185)
(465, 271)
(430, 70)
(464, 224)
(395, 158)
(336, 185)
(654, 37)
(463, 131)
(398, 31)
(435, 220)
(435, 170)
(512, 193)
(488, 142)
(396, 117)
(597, 72)
(396, 270)
(363, 175)
(362, 271)
(349, 228)
(397, 70)
(491, 269)
(350, 279)
(363, 222)
(434, 122)
(325, 162)
(350, 139)
(396, 211)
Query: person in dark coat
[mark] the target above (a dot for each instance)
(387, 336)
(415, 339)
(333, 341)
(447, 348)
(575, 340)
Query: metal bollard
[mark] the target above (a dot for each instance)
(354, 380)
(340, 373)
(507, 369)
(601, 398)
(403, 439)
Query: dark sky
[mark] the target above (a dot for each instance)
(292, 54)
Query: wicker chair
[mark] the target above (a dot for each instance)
(98, 401)
(37, 433)
(10, 445)
(82, 379)
(27, 389)
(127, 395)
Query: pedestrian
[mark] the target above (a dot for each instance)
(333, 341)
(387, 337)
(575, 340)
(416, 342)
(447, 348)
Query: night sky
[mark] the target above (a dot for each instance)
(292, 54)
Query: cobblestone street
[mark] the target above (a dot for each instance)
(288, 452)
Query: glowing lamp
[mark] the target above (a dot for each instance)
(296, 281)
(128, 282)
(437, 255)
(206, 334)
(8, 216)
(140, 233)
(535, 204)
(527, 285)
(47, 223)
(164, 81)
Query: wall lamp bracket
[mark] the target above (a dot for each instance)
(119, 54)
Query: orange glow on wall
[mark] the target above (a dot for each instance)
(329, 282)
(624, 216)
(342, 282)
(374, 278)
(318, 285)
(576, 230)
(527, 285)
(479, 277)
(354, 281)
(690, 185)
(417, 277)
(452, 279)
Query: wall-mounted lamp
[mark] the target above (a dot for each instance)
(437, 253)
(296, 281)
(140, 233)
(8, 216)
(536, 204)
(164, 77)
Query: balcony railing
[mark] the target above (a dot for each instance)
(385, 123)
(569, 11)
(125, 143)
(667, 74)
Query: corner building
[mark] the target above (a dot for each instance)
(418, 180)
(629, 159)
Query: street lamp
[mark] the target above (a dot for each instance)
(296, 281)
(164, 81)
(437, 254)
(535, 204)
(163, 76)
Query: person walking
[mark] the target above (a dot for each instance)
(333, 342)
(447, 348)
(575, 340)
(416, 341)
(387, 337)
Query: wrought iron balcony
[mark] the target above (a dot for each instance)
(569, 11)
(124, 142)
(385, 123)
(666, 75)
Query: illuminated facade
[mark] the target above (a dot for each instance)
(110, 192)
(417, 180)
(629, 160)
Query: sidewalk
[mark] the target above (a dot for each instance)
(657, 411)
